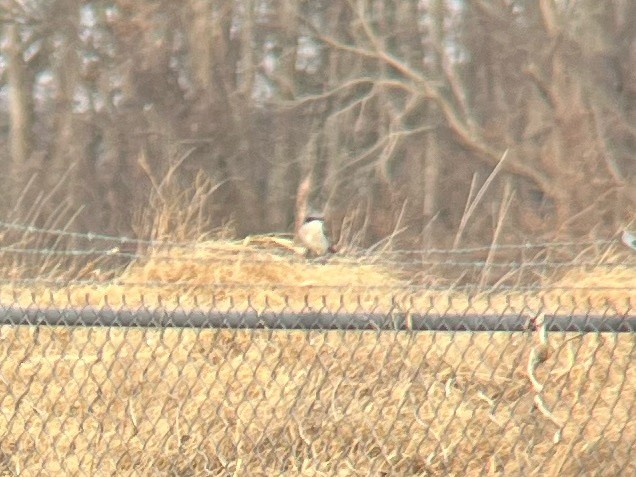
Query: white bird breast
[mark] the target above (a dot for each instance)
(312, 235)
(629, 239)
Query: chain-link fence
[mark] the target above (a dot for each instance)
(233, 359)
(146, 394)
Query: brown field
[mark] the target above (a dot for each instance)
(109, 401)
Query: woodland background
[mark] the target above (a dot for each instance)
(397, 111)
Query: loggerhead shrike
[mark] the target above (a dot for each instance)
(312, 236)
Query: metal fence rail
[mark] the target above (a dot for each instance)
(318, 320)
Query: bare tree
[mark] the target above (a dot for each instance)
(396, 109)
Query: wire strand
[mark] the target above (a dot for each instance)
(90, 236)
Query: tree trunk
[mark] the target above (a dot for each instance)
(433, 152)
(20, 111)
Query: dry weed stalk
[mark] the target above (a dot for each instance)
(504, 205)
(539, 353)
(470, 209)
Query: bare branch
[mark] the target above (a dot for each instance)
(375, 82)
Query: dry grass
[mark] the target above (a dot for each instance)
(208, 402)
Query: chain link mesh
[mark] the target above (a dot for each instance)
(112, 400)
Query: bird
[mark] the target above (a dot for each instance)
(312, 236)
(629, 239)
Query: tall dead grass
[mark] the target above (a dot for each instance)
(269, 272)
